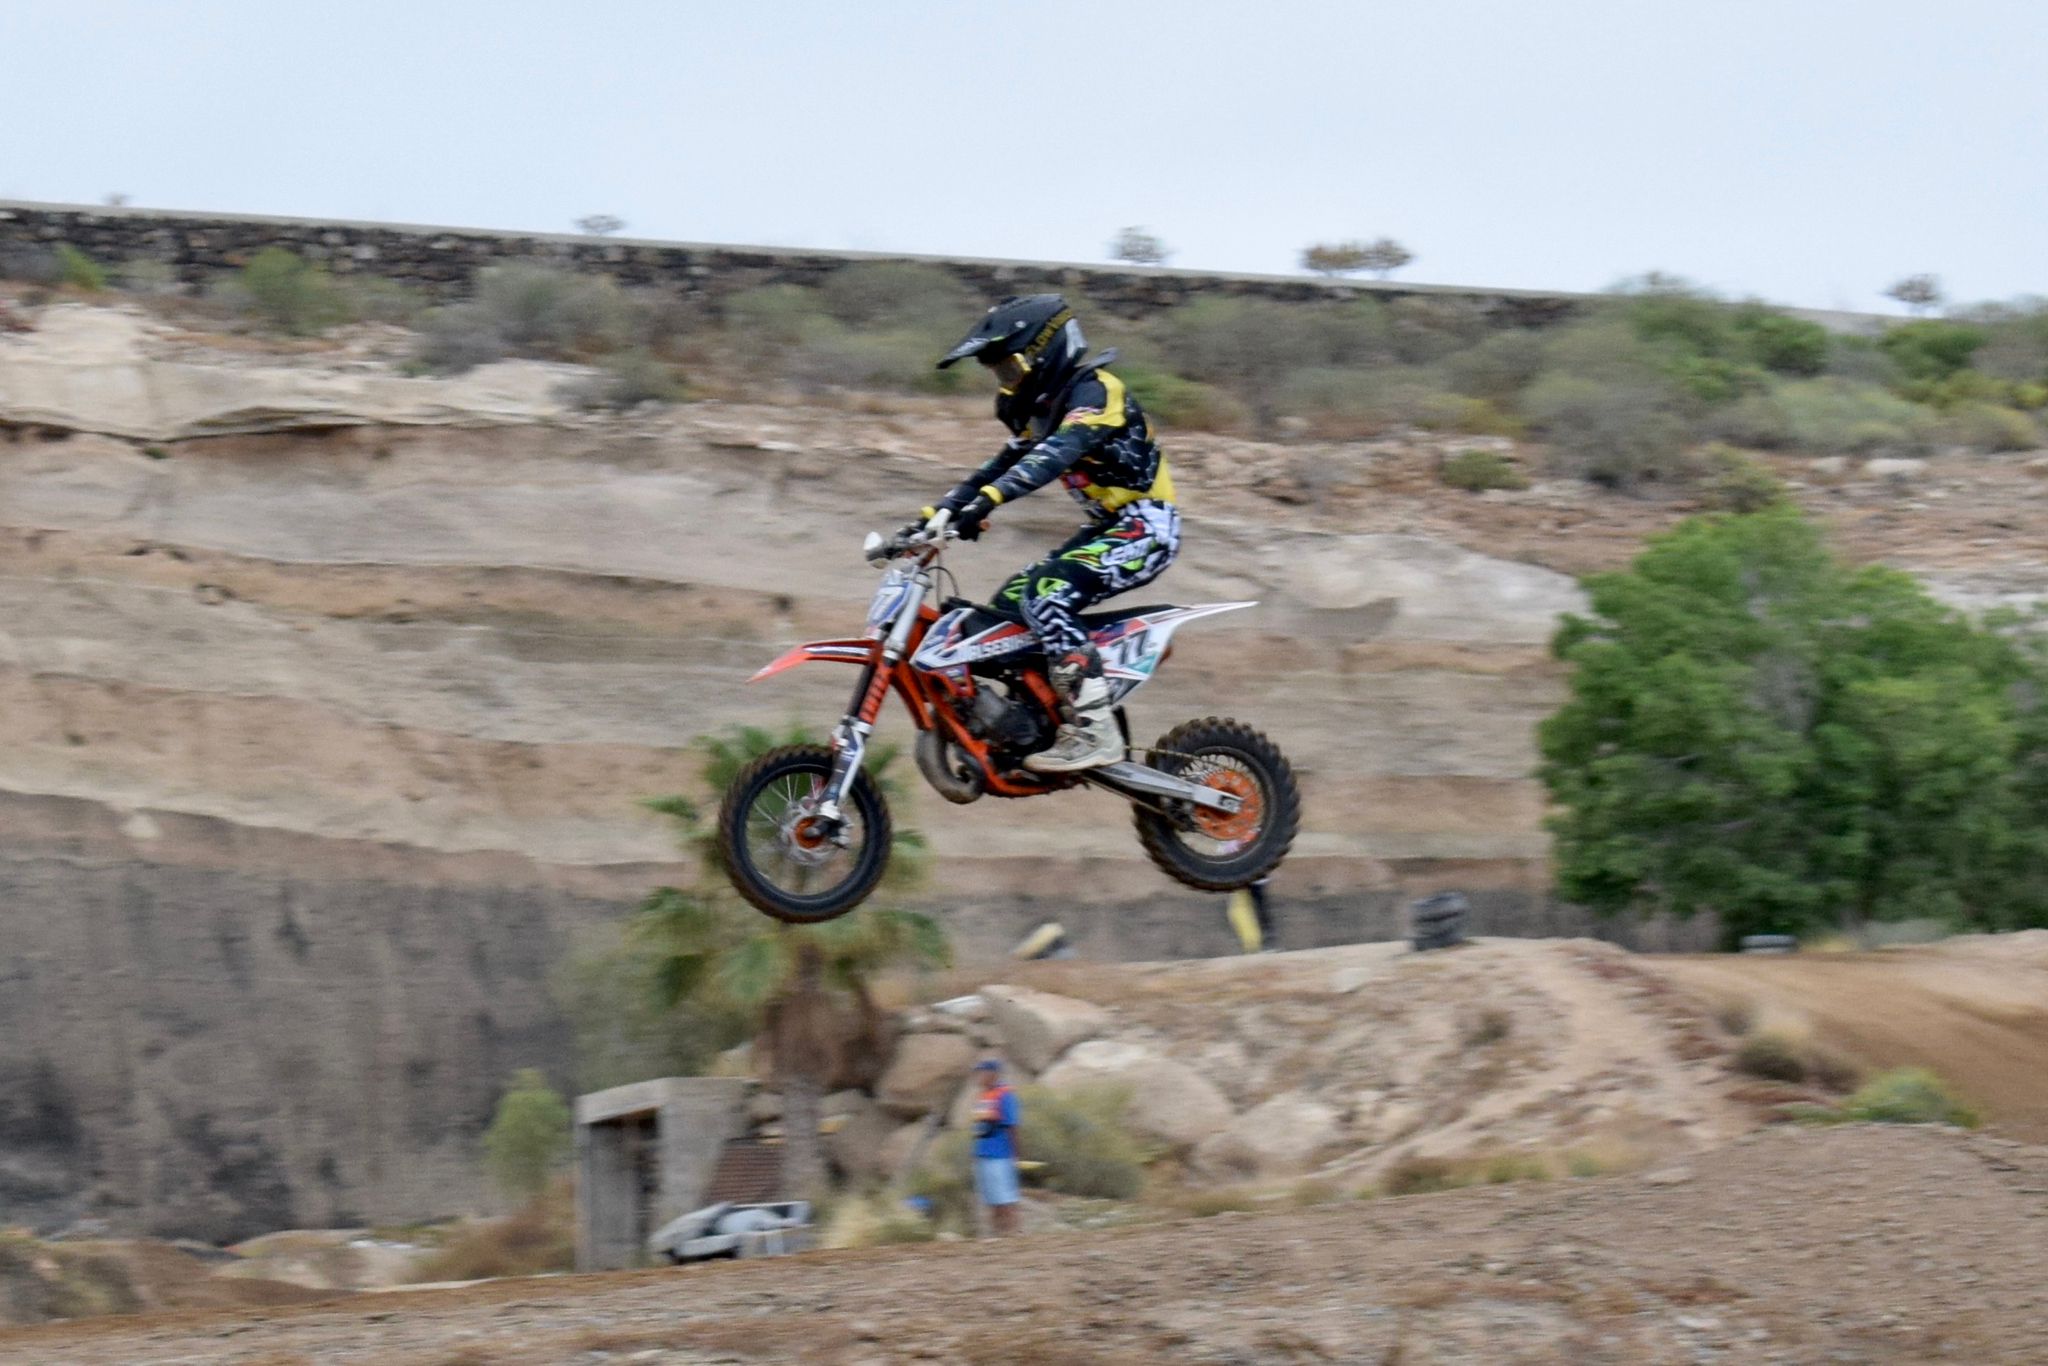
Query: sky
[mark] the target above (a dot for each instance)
(1810, 152)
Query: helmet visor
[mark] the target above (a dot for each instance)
(1008, 370)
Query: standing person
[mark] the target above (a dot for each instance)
(1071, 422)
(1250, 917)
(995, 1146)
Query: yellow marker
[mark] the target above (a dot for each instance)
(1245, 921)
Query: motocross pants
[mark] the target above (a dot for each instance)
(1095, 563)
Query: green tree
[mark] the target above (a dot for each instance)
(1759, 730)
(529, 1137)
(808, 986)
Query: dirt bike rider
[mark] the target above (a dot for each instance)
(1073, 421)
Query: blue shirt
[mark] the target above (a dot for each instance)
(995, 1123)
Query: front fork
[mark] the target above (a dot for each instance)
(850, 736)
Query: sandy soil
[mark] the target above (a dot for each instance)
(1867, 1245)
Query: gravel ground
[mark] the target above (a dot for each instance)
(1851, 1244)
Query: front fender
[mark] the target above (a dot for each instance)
(824, 652)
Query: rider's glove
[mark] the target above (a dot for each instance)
(973, 513)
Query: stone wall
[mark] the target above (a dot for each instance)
(441, 261)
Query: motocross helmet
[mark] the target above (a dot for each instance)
(1032, 343)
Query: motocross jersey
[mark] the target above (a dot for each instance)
(1093, 438)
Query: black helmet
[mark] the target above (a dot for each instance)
(1039, 330)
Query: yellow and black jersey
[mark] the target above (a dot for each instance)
(1094, 439)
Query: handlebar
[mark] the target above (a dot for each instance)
(890, 548)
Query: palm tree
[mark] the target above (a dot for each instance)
(809, 984)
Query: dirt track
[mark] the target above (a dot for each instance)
(1868, 1244)
(1973, 1010)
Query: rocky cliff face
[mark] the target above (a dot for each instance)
(317, 747)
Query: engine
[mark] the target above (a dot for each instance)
(1005, 723)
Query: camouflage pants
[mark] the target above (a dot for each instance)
(1095, 563)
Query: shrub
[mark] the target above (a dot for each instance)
(628, 378)
(1497, 368)
(1991, 427)
(524, 309)
(148, 276)
(538, 1238)
(1334, 258)
(1617, 434)
(889, 360)
(1427, 328)
(78, 270)
(1248, 347)
(1472, 416)
(775, 316)
(1424, 1175)
(1908, 1095)
(1082, 1138)
(1357, 332)
(1789, 346)
(1736, 482)
(1771, 1055)
(1834, 417)
(1139, 247)
(1178, 402)
(1478, 471)
(529, 1137)
(284, 291)
(1930, 349)
(874, 1221)
(376, 299)
(888, 295)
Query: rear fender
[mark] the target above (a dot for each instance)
(1133, 648)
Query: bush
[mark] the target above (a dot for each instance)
(1478, 471)
(148, 276)
(1833, 417)
(1736, 482)
(1991, 427)
(1082, 1138)
(375, 299)
(1929, 349)
(1425, 1175)
(529, 1137)
(775, 316)
(1173, 401)
(539, 1238)
(891, 295)
(1616, 434)
(1771, 1055)
(1497, 368)
(1248, 347)
(282, 290)
(1908, 1095)
(626, 379)
(1789, 346)
(523, 309)
(1472, 416)
(78, 270)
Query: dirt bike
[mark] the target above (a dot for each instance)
(804, 831)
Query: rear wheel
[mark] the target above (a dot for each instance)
(1211, 850)
(782, 856)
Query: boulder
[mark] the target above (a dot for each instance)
(1898, 469)
(1171, 1103)
(1037, 1026)
(860, 1129)
(924, 1073)
(898, 1147)
(1282, 1137)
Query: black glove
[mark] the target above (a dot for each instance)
(967, 521)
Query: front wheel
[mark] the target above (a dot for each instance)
(786, 860)
(1211, 850)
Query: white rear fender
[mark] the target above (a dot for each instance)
(1132, 649)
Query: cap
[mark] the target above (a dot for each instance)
(988, 1065)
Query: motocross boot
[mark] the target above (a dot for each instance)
(1090, 738)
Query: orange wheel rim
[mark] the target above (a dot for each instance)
(1231, 826)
